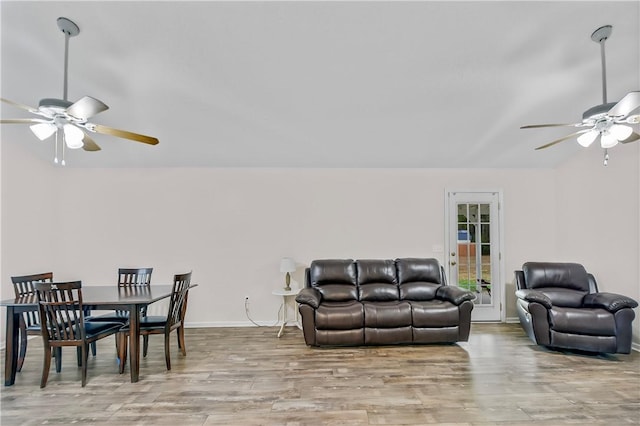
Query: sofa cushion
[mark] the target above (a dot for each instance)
(434, 313)
(332, 271)
(335, 279)
(339, 315)
(585, 321)
(418, 291)
(387, 314)
(377, 280)
(552, 274)
(563, 297)
(418, 270)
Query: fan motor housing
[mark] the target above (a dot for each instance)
(597, 110)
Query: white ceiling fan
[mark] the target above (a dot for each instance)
(612, 122)
(69, 120)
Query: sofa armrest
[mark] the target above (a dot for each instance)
(453, 294)
(610, 301)
(309, 296)
(534, 296)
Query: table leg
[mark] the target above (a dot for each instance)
(284, 315)
(11, 346)
(134, 342)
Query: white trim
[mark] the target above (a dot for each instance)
(512, 320)
(501, 257)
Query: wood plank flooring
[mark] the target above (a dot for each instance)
(247, 376)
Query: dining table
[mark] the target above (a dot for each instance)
(97, 297)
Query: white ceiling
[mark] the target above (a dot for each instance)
(321, 84)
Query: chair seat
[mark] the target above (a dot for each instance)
(95, 328)
(149, 322)
(120, 317)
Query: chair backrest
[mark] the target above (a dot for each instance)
(23, 286)
(131, 278)
(128, 277)
(61, 312)
(564, 283)
(178, 302)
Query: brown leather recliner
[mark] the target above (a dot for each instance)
(381, 302)
(559, 306)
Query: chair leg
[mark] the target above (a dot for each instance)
(23, 343)
(167, 356)
(57, 353)
(79, 353)
(145, 345)
(93, 348)
(181, 344)
(46, 365)
(85, 351)
(122, 350)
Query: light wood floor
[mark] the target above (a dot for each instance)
(247, 376)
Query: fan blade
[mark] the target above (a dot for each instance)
(536, 126)
(632, 119)
(86, 108)
(123, 134)
(23, 121)
(89, 144)
(634, 137)
(21, 106)
(630, 102)
(564, 138)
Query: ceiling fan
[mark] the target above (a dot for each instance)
(611, 121)
(69, 120)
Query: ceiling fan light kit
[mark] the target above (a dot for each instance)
(69, 120)
(610, 120)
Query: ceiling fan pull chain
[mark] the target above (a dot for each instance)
(606, 157)
(62, 147)
(55, 150)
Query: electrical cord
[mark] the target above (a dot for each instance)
(246, 311)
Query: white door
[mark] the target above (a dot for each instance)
(473, 250)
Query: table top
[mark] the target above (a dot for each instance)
(283, 292)
(109, 295)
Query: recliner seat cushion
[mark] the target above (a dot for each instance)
(583, 321)
(340, 316)
(434, 313)
(387, 314)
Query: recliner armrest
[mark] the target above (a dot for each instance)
(309, 296)
(534, 296)
(453, 294)
(610, 301)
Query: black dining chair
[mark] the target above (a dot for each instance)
(23, 286)
(174, 320)
(63, 324)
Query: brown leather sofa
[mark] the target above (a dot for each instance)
(382, 302)
(559, 306)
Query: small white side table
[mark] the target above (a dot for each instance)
(285, 298)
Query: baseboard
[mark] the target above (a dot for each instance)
(234, 324)
(635, 347)
(512, 320)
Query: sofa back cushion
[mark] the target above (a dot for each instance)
(418, 279)
(564, 283)
(335, 279)
(377, 280)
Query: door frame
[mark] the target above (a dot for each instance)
(501, 256)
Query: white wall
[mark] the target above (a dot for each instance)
(599, 218)
(232, 226)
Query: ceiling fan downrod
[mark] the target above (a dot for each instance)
(600, 36)
(70, 29)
